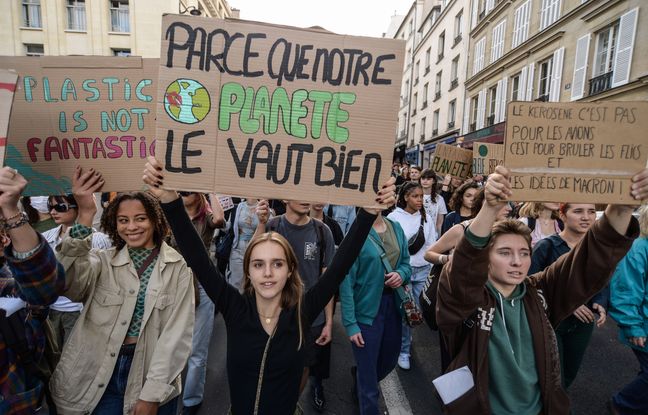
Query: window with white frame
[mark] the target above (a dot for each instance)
(605, 49)
(417, 69)
(414, 102)
(76, 14)
(425, 96)
(515, 87)
(406, 92)
(422, 128)
(437, 85)
(413, 133)
(452, 113)
(480, 47)
(549, 13)
(497, 45)
(454, 69)
(441, 46)
(458, 27)
(474, 111)
(492, 103)
(31, 13)
(119, 19)
(428, 53)
(521, 24)
(435, 122)
(34, 49)
(544, 78)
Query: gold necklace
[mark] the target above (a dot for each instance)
(268, 319)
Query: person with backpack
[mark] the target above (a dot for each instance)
(31, 282)
(133, 338)
(312, 241)
(420, 233)
(370, 309)
(542, 218)
(498, 321)
(317, 212)
(267, 325)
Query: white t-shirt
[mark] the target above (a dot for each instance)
(53, 238)
(410, 224)
(434, 209)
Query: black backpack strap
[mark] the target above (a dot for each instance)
(531, 223)
(329, 211)
(319, 228)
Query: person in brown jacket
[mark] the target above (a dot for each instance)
(498, 322)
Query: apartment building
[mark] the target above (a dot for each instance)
(94, 27)
(551, 50)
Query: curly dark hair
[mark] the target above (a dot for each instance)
(457, 197)
(153, 210)
(407, 188)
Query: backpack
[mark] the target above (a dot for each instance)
(12, 332)
(273, 225)
(224, 241)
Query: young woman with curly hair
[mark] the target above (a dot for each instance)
(461, 204)
(133, 337)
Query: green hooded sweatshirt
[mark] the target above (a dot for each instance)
(513, 376)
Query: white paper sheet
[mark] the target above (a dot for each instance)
(454, 385)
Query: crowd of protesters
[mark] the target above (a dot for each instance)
(111, 311)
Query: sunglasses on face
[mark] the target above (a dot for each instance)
(61, 207)
(186, 194)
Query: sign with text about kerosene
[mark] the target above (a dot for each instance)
(81, 110)
(249, 108)
(575, 152)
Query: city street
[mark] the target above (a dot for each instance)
(607, 366)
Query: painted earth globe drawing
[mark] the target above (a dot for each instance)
(187, 101)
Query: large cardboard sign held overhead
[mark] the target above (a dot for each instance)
(7, 87)
(90, 111)
(575, 152)
(486, 157)
(455, 161)
(270, 111)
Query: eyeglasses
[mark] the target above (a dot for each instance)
(61, 207)
(186, 194)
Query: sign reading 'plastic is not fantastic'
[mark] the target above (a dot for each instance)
(254, 109)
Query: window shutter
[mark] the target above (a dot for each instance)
(466, 117)
(516, 27)
(526, 18)
(496, 113)
(475, 11)
(556, 75)
(522, 85)
(544, 12)
(497, 46)
(530, 74)
(481, 109)
(479, 55)
(580, 67)
(624, 46)
(503, 97)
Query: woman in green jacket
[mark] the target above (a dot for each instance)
(369, 311)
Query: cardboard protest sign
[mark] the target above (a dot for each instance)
(91, 111)
(271, 111)
(575, 152)
(486, 157)
(7, 88)
(455, 161)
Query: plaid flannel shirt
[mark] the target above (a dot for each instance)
(38, 280)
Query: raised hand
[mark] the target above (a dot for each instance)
(154, 178)
(386, 196)
(84, 185)
(12, 185)
(498, 188)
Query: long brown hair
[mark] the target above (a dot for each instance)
(291, 295)
(153, 211)
(456, 201)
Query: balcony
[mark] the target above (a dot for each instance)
(439, 57)
(427, 70)
(473, 127)
(415, 81)
(490, 120)
(414, 111)
(437, 95)
(453, 84)
(457, 40)
(450, 125)
(424, 106)
(543, 98)
(422, 138)
(600, 83)
(402, 134)
(482, 14)
(435, 131)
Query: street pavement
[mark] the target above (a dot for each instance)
(607, 366)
